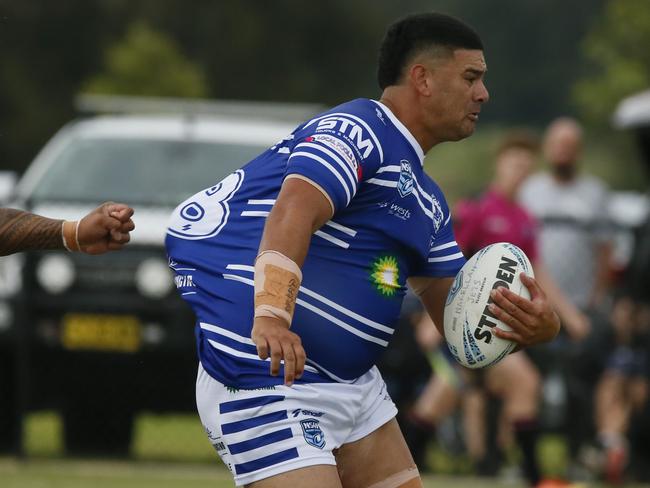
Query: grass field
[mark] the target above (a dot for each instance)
(171, 451)
(130, 474)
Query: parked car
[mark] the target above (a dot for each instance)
(100, 338)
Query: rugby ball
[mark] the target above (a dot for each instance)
(468, 321)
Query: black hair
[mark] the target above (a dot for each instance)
(415, 33)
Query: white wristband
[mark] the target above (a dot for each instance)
(70, 235)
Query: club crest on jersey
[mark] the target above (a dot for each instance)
(405, 183)
(438, 216)
(312, 432)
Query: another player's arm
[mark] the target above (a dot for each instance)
(576, 323)
(603, 273)
(23, 231)
(299, 211)
(105, 228)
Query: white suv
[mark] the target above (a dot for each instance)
(106, 336)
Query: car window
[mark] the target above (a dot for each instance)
(139, 171)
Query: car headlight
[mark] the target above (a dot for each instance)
(153, 278)
(6, 316)
(55, 273)
(10, 275)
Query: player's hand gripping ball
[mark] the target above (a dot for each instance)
(468, 321)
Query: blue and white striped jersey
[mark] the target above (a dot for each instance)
(391, 221)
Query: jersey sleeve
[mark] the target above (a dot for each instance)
(445, 257)
(335, 153)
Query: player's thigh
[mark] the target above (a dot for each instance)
(437, 401)
(321, 476)
(515, 375)
(378, 460)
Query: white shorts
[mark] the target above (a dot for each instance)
(267, 431)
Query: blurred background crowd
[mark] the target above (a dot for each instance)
(96, 356)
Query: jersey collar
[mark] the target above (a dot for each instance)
(405, 132)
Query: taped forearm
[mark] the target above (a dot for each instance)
(277, 281)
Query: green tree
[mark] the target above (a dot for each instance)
(618, 50)
(146, 62)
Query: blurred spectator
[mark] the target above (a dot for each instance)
(575, 246)
(572, 208)
(622, 409)
(622, 392)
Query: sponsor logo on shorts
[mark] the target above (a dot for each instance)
(312, 432)
(216, 442)
(233, 389)
(310, 413)
(210, 435)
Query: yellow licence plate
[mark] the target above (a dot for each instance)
(100, 332)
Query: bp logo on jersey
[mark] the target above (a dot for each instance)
(405, 183)
(312, 432)
(384, 275)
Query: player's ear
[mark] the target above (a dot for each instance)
(420, 78)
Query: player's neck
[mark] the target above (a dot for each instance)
(398, 101)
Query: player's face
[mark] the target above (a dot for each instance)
(457, 95)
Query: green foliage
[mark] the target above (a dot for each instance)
(146, 62)
(464, 169)
(618, 49)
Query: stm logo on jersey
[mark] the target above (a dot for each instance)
(406, 182)
(312, 432)
(350, 129)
